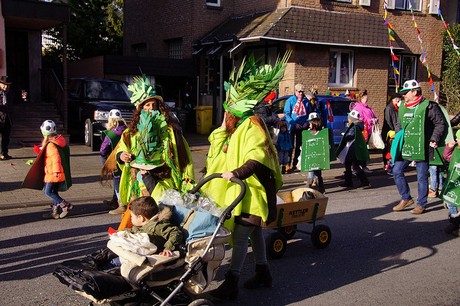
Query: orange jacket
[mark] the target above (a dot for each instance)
(53, 163)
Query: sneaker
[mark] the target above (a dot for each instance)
(53, 214)
(65, 206)
(403, 204)
(365, 186)
(112, 203)
(418, 210)
(283, 169)
(5, 156)
(118, 211)
(432, 193)
(367, 170)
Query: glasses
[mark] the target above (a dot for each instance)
(300, 91)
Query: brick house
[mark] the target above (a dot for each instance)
(323, 34)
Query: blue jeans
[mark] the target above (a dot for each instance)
(240, 246)
(436, 178)
(51, 190)
(422, 181)
(452, 210)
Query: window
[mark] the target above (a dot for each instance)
(139, 49)
(215, 3)
(175, 48)
(404, 5)
(407, 69)
(340, 68)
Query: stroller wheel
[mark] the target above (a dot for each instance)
(276, 245)
(201, 302)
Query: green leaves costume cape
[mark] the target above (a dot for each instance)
(247, 142)
(360, 145)
(317, 151)
(451, 190)
(34, 178)
(127, 185)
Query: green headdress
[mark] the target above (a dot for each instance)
(252, 84)
(141, 88)
(153, 134)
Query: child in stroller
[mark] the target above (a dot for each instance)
(154, 278)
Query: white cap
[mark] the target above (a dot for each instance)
(409, 85)
(354, 114)
(115, 114)
(313, 115)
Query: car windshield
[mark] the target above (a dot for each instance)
(107, 90)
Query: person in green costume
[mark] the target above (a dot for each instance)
(352, 151)
(423, 128)
(177, 170)
(241, 147)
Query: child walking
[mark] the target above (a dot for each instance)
(315, 125)
(352, 151)
(451, 192)
(115, 127)
(283, 145)
(51, 170)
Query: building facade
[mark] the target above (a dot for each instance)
(337, 45)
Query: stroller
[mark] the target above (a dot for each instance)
(155, 279)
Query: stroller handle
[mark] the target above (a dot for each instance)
(227, 212)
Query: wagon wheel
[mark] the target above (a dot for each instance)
(321, 236)
(288, 231)
(276, 245)
(201, 302)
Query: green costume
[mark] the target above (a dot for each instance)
(178, 181)
(451, 190)
(413, 122)
(317, 151)
(246, 143)
(360, 147)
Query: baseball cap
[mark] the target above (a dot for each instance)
(354, 115)
(299, 87)
(409, 85)
(312, 115)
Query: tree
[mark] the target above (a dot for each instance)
(450, 83)
(95, 28)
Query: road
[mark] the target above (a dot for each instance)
(376, 257)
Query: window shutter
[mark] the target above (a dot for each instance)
(391, 4)
(365, 2)
(434, 5)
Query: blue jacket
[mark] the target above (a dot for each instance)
(292, 118)
(283, 143)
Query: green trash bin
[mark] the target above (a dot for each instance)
(203, 119)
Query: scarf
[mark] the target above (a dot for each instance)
(299, 109)
(416, 101)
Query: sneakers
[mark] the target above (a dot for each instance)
(112, 203)
(118, 211)
(53, 214)
(432, 193)
(418, 210)
(367, 170)
(65, 207)
(5, 156)
(403, 204)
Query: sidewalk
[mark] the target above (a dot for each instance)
(85, 167)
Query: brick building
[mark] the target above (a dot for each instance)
(337, 45)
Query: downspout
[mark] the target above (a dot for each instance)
(65, 116)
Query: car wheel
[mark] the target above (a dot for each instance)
(88, 132)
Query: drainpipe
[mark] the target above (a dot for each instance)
(64, 75)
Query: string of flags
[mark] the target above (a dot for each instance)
(422, 58)
(446, 26)
(391, 38)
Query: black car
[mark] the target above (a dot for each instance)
(89, 103)
(339, 107)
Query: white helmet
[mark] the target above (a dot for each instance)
(48, 127)
(115, 114)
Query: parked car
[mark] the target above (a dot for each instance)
(339, 105)
(89, 103)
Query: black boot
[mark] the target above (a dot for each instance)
(348, 180)
(263, 278)
(228, 290)
(364, 182)
(453, 226)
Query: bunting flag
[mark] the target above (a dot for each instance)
(391, 38)
(422, 58)
(446, 26)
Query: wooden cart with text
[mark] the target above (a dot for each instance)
(302, 205)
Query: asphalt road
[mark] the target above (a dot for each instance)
(376, 257)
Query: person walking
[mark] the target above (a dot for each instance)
(51, 170)
(390, 125)
(5, 120)
(422, 128)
